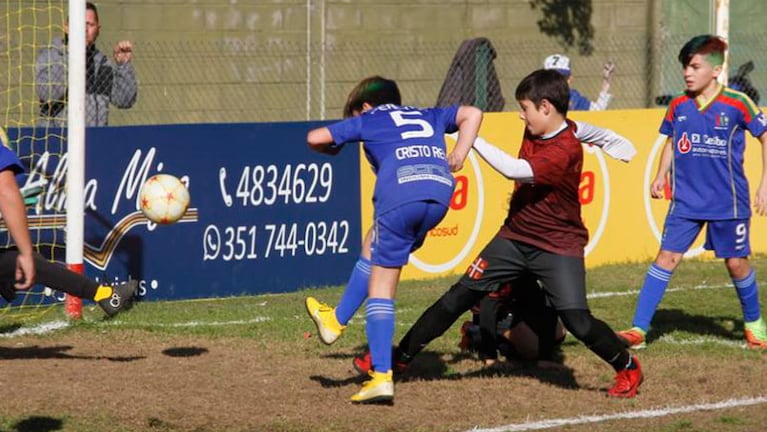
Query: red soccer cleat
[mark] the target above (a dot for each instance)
(364, 364)
(627, 381)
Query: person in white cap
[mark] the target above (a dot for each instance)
(578, 102)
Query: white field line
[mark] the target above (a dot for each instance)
(202, 323)
(40, 329)
(636, 292)
(57, 325)
(651, 413)
(700, 340)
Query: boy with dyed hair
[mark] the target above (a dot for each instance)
(703, 159)
(414, 185)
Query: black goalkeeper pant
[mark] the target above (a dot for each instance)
(47, 273)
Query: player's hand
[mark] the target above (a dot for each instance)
(123, 52)
(658, 188)
(760, 202)
(25, 271)
(455, 161)
(607, 71)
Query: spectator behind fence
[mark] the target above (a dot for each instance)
(578, 102)
(106, 82)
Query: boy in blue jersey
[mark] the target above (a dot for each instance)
(703, 157)
(414, 185)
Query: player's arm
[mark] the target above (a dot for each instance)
(468, 119)
(664, 166)
(507, 165)
(321, 140)
(15, 217)
(604, 94)
(616, 146)
(760, 202)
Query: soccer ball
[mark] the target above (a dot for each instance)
(164, 199)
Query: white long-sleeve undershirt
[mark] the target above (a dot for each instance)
(516, 169)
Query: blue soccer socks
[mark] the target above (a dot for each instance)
(748, 294)
(380, 332)
(355, 293)
(655, 284)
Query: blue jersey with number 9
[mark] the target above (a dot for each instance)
(406, 148)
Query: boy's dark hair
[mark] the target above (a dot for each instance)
(708, 45)
(545, 84)
(374, 90)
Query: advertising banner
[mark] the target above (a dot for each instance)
(266, 215)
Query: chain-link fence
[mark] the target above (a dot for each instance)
(235, 80)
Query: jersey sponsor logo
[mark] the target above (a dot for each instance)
(420, 172)
(684, 145)
(762, 121)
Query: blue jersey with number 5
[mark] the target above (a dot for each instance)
(406, 148)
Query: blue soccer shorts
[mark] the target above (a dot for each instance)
(727, 238)
(402, 230)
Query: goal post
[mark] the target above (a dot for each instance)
(53, 156)
(75, 180)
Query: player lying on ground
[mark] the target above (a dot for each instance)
(517, 323)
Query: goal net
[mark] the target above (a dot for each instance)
(28, 26)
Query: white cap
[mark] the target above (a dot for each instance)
(558, 62)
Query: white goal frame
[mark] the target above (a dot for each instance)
(75, 149)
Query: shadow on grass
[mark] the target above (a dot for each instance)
(670, 320)
(38, 424)
(185, 351)
(430, 366)
(55, 352)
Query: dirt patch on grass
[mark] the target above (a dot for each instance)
(141, 381)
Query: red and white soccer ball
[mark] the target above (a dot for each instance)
(164, 199)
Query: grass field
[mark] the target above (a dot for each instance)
(254, 364)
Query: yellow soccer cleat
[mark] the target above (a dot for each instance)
(324, 317)
(379, 390)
